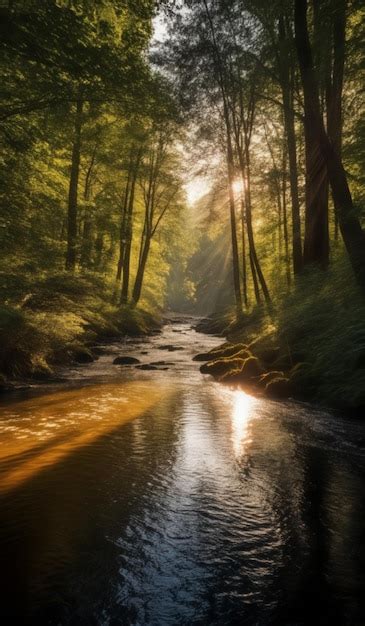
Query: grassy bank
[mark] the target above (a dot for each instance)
(311, 346)
(56, 319)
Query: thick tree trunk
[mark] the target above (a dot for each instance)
(316, 238)
(335, 83)
(73, 189)
(353, 236)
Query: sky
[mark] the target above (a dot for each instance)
(196, 186)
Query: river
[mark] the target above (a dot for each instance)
(133, 497)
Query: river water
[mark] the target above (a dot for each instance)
(161, 497)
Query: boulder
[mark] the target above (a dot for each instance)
(251, 369)
(223, 351)
(126, 360)
(162, 363)
(83, 356)
(220, 367)
(170, 348)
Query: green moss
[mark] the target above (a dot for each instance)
(222, 366)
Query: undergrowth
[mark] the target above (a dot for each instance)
(50, 319)
(319, 326)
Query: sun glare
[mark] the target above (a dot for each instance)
(237, 187)
(241, 419)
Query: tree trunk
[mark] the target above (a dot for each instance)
(287, 89)
(232, 212)
(86, 243)
(129, 235)
(137, 289)
(122, 229)
(244, 264)
(73, 189)
(316, 238)
(285, 219)
(335, 86)
(353, 236)
(250, 235)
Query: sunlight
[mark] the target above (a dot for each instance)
(237, 187)
(78, 419)
(196, 189)
(241, 419)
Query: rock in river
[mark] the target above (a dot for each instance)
(126, 360)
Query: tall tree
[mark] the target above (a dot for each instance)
(352, 233)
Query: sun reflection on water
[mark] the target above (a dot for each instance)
(242, 416)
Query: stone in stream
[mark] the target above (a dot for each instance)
(225, 350)
(146, 366)
(125, 360)
(83, 356)
(170, 348)
(162, 363)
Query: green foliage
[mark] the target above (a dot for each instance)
(323, 323)
(52, 318)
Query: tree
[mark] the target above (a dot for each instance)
(352, 233)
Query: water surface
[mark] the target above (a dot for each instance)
(160, 497)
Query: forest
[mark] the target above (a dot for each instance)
(182, 312)
(195, 156)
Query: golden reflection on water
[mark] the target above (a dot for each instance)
(40, 432)
(242, 416)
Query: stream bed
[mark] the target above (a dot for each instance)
(137, 497)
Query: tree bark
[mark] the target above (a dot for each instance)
(352, 233)
(73, 189)
(287, 88)
(244, 263)
(137, 289)
(129, 232)
(316, 236)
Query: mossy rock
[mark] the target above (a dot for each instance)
(266, 378)
(234, 368)
(278, 388)
(232, 375)
(251, 368)
(224, 351)
(219, 367)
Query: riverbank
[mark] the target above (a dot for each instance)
(301, 348)
(59, 320)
